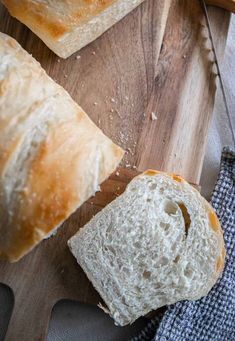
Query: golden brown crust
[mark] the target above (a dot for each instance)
(52, 156)
(59, 19)
(216, 227)
(152, 172)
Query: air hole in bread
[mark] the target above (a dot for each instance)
(163, 261)
(177, 258)
(188, 272)
(186, 216)
(147, 274)
(137, 245)
(170, 207)
(111, 249)
(126, 270)
(153, 187)
(164, 226)
(149, 200)
(109, 229)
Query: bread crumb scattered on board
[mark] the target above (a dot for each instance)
(78, 56)
(153, 116)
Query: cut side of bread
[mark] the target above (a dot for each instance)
(67, 26)
(158, 243)
(52, 156)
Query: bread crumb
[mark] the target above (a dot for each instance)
(117, 173)
(134, 167)
(65, 76)
(58, 60)
(153, 116)
(103, 308)
(93, 52)
(112, 100)
(78, 57)
(184, 56)
(95, 103)
(127, 98)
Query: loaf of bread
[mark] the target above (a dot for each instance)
(158, 243)
(66, 26)
(52, 156)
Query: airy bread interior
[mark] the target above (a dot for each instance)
(154, 245)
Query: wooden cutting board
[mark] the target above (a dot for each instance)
(120, 80)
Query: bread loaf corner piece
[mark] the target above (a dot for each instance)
(158, 243)
(67, 26)
(52, 156)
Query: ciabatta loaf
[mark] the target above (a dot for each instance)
(66, 26)
(52, 156)
(158, 243)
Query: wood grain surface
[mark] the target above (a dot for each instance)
(120, 80)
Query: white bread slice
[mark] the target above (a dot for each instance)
(52, 156)
(158, 243)
(67, 26)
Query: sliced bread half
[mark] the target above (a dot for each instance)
(158, 243)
